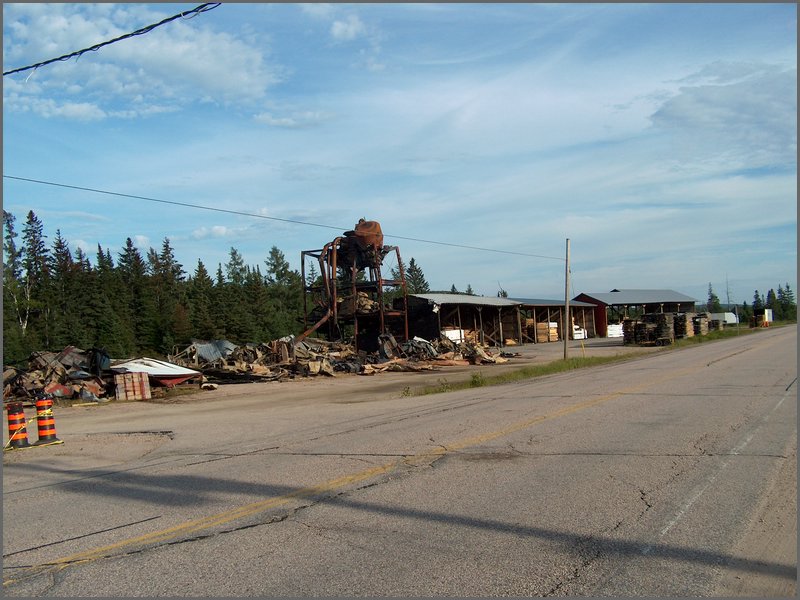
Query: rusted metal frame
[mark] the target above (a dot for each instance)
(354, 296)
(305, 290)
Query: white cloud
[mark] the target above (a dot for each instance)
(319, 11)
(216, 231)
(348, 29)
(177, 64)
(743, 112)
(294, 120)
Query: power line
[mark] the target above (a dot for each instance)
(257, 216)
(195, 11)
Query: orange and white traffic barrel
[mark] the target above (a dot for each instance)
(46, 423)
(17, 430)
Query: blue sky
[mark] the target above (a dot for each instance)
(661, 139)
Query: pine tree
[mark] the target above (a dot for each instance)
(713, 304)
(200, 292)
(138, 295)
(35, 283)
(469, 291)
(453, 289)
(67, 326)
(758, 302)
(285, 291)
(235, 268)
(167, 277)
(415, 279)
(13, 314)
(789, 304)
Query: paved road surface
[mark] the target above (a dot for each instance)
(672, 474)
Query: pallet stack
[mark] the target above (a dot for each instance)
(547, 332)
(700, 323)
(683, 325)
(628, 331)
(663, 325)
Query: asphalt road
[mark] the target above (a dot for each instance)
(673, 474)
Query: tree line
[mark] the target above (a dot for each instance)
(782, 303)
(134, 304)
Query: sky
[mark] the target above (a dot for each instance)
(659, 139)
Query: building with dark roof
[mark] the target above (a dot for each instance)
(618, 304)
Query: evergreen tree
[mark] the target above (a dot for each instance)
(167, 277)
(469, 291)
(746, 314)
(13, 307)
(313, 276)
(789, 306)
(713, 304)
(501, 293)
(285, 291)
(415, 279)
(453, 289)
(200, 293)
(758, 302)
(67, 326)
(772, 303)
(35, 283)
(235, 268)
(138, 295)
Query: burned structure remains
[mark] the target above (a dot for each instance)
(350, 298)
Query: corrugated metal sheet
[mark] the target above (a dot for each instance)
(153, 367)
(443, 298)
(632, 297)
(543, 302)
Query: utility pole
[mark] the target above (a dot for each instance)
(567, 327)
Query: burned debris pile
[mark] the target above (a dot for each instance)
(71, 373)
(220, 361)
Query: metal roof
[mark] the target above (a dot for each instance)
(543, 302)
(444, 298)
(632, 297)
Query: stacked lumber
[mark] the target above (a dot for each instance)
(663, 325)
(547, 332)
(700, 323)
(683, 325)
(628, 331)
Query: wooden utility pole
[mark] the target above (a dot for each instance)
(566, 304)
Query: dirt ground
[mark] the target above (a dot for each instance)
(345, 387)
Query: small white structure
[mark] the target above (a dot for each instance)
(614, 330)
(728, 318)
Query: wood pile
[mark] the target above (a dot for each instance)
(547, 332)
(683, 325)
(700, 323)
(663, 325)
(628, 331)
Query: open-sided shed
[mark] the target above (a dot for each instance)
(489, 320)
(537, 311)
(618, 304)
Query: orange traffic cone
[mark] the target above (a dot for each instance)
(17, 431)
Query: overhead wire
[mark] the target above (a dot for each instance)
(258, 216)
(186, 14)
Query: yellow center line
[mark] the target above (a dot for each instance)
(340, 482)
